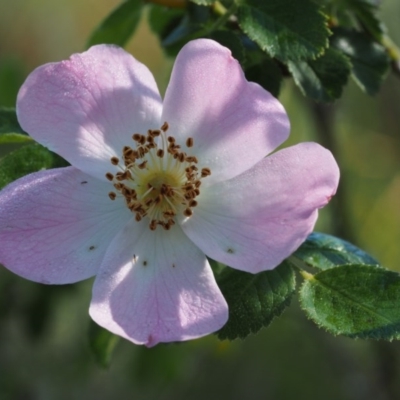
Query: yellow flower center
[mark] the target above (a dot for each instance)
(157, 178)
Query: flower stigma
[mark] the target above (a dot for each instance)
(157, 179)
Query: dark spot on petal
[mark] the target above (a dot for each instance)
(83, 182)
(92, 247)
(173, 265)
(144, 263)
(230, 251)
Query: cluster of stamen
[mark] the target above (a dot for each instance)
(157, 178)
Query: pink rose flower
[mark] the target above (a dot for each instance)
(155, 186)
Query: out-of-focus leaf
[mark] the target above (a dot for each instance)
(254, 300)
(325, 251)
(163, 20)
(365, 11)
(267, 74)
(322, 79)
(232, 41)
(286, 29)
(9, 122)
(369, 59)
(119, 26)
(203, 2)
(102, 343)
(360, 301)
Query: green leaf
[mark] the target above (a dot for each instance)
(119, 26)
(369, 59)
(9, 122)
(325, 251)
(286, 29)
(25, 160)
(365, 12)
(163, 20)
(102, 343)
(203, 2)
(359, 301)
(8, 138)
(267, 74)
(322, 79)
(254, 300)
(232, 41)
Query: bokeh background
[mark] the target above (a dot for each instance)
(44, 352)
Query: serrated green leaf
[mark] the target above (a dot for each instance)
(119, 26)
(324, 251)
(359, 301)
(102, 344)
(370, 61)
(254, 300)
(322, 79)
(286, 29)
(25, 160)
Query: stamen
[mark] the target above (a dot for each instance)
(114, 160)
(109, 176)
(155, 188)
(205, 172)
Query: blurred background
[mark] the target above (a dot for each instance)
(44, 352)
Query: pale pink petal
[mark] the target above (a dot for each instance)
(257, 219)
(234, 123)
(156, 286)
(87, 108)
(56, 225)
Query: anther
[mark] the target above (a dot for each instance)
(138, 217)
(187, 212)
(165, 126)
(160, 153)
(192, 203)
(136, 137)
(181, 157)
(112, 195)
(205, 172)
(109, 176)
(171, 139)
(189, 142)
(192, 159)
(142, 165)
(153, 225)
(114, 160)
(156, 132)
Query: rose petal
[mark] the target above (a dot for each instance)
(56, 225)
(234, 123)
(156, 286)
(256, 220)
(87, 108)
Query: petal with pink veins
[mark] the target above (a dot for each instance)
(87, 108)
(257, 219)
(234, 123)
(56, 225)
(156, 286)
